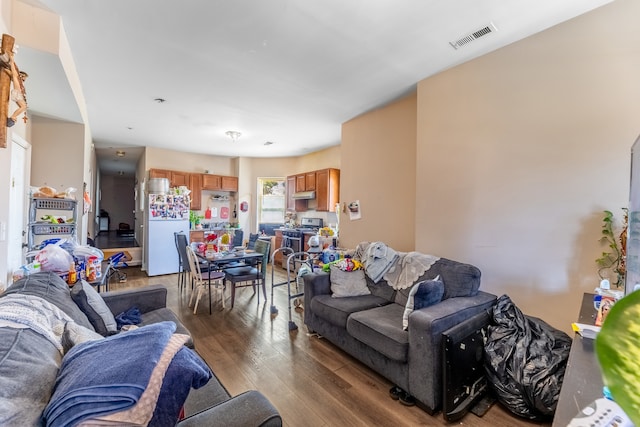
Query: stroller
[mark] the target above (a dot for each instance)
(116, 261)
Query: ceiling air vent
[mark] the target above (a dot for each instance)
(464, 40)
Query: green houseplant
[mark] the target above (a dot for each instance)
(618, 350)
(194, 219)
(613, 261)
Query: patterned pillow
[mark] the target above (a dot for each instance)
(423, 294)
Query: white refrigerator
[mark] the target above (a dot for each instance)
(166, 214)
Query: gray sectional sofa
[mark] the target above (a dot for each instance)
(369, 327)
(43, 327)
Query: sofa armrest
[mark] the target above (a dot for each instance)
(314, 284)
(247, 409)
(147, 299)
(425, 341)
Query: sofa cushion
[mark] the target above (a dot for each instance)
(50, 287)
(422, 294)
(381, 329)
(460, 280)
(381, 289)
(165, 314)
(337, 310)
(94, 307)
(348, 283)
(25, 353)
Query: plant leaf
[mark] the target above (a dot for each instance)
(619, 354)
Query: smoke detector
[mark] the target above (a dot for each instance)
(473, 36)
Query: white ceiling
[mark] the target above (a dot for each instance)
(285, 71)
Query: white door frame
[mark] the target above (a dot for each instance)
(18, 199)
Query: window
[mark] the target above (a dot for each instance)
(271, 200)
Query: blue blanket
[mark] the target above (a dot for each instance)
(125, 364)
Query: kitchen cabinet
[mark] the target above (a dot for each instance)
(211, 182)
(301, 182)
(196, 236)
(294, 205)
(326, 184)
(160, 173)
(195, 185)
(229, 183)
(179, 179)
(327, 189)
(277, 257)
(310, 181)
(176, 178)
(198, 181)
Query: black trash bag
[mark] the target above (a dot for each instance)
(525, 361)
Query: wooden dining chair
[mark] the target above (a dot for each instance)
(202, 281)
(250, 274)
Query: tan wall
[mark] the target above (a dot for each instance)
(378, 168)
(58, 160)
(159, 158)
(519, 152)
(327, 158)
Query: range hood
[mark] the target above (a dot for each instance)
(304, 195)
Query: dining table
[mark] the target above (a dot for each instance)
(219, 261)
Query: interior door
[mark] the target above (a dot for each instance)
(16, 229)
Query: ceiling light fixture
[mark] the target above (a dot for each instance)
(234, 135)
(160, 100)
(269, 143)
(120, 153)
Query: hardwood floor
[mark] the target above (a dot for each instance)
(311, 382)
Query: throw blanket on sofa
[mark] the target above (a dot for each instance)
(28, 311)
(84, 392)
(408, 267)
(376, 257)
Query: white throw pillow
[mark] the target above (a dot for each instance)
(348, 283)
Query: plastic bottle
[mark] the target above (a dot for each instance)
(91, 269)
(73, 277)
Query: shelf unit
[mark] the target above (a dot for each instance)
(38, 206)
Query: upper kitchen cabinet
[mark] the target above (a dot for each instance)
(160, 173)
(221, 183)
(306, 181)
(176, 179)
(211, 182)
(324, 183)
(327, 189)
(195, 185)
(179, 179)
(229, 183)
(294, 205)
(301, 183)
(310, 181)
